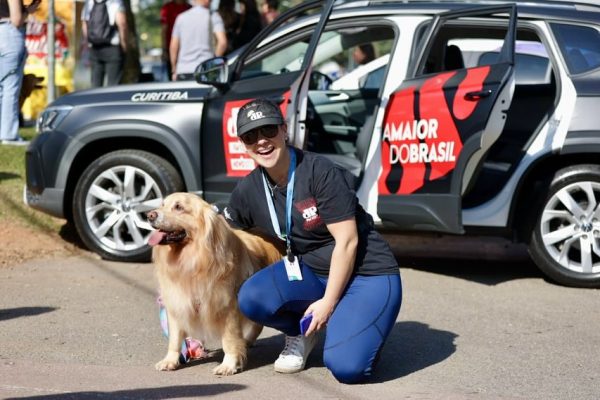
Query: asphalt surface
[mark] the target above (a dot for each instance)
(469, 328)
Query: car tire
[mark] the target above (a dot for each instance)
(565, 242)
(111, 199)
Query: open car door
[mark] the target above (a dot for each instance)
(438, 127)
(278, 70)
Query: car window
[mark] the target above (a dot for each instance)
(532, 65)
(580, 46)
(285, 56)
(349, 55)
(458, 47)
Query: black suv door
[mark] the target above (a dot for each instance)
(440, 123)
(277, 70)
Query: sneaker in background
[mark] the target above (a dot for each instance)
(19, 141)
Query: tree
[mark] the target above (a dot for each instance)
(148, 23)
(132, 69)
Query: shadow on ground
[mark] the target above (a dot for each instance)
(480, 271)
(481, 259)
(12, 313)
(170, 392)
(411, 346)
(5, 176)
(68, 233)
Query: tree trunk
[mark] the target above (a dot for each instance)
(132, 68)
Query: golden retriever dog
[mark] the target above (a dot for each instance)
(200, 264)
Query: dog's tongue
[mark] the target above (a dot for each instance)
(156, 237)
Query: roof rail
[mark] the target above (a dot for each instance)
(589, 5)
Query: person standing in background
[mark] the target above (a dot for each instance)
(269, 11)
(192, 39)
(13, 54)
(108, 44)
(231, 21)
(168, 13)
(250, 22)
(363, 54)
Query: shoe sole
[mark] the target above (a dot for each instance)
(284, 370)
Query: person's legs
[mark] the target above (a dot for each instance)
(270, 299)
(114, 65)
(97, 63)
(360, 324)
(12, 60)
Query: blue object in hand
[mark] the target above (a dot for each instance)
(305, 323)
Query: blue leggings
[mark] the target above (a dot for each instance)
(357, 329)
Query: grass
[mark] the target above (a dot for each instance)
(12, 180)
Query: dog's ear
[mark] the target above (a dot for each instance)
(215, 230)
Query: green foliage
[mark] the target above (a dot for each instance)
(148, 24)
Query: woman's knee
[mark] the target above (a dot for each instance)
(250, 300)
(346, 369)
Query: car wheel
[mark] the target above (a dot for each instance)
(565, 241)
(112, 197)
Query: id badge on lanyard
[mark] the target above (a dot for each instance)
(292, 266)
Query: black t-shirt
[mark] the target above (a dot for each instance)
(322, 195)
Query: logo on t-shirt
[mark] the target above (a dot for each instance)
(310, 213)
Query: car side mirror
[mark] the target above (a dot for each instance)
(319, 81)
(213, 71)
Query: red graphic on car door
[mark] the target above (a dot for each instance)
(420, 131)
(238, 162)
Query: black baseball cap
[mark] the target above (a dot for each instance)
(257, 113)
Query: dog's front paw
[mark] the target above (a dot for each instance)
(229, 366)
(167, 364)
(224, 369)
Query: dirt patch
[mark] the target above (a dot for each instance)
(21, 243)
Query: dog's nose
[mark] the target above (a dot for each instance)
(151, 215)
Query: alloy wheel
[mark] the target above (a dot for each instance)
(570, 227)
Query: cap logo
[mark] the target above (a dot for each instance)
(254, 115)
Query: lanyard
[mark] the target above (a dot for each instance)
(288, 204)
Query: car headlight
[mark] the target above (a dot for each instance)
(51, 118)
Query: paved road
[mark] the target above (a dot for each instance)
(82, 328)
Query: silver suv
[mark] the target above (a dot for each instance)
(483, 117)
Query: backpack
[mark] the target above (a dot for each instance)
(100, 31)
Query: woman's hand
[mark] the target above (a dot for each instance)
(321, 312)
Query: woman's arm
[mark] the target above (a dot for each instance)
(18, 13)
(17, 16)
(342, 264)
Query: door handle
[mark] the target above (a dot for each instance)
(477, 95)
(338, 96)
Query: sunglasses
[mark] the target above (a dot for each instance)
(268, 132)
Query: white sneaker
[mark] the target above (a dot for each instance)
(293, 357)
(19, 141)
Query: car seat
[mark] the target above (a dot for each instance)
(453, 58)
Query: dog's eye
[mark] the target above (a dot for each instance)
(178, 207)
